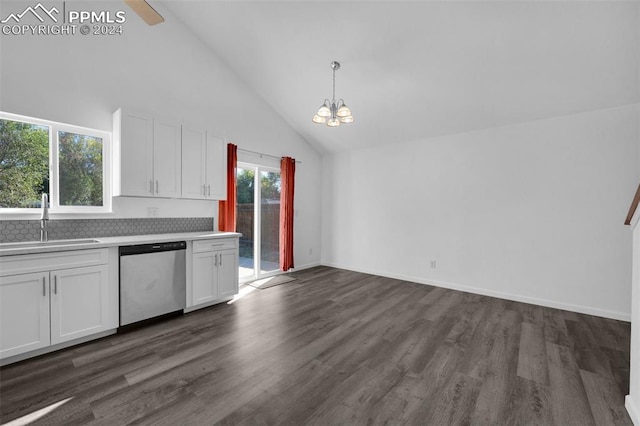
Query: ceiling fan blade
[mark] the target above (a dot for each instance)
(145, 11)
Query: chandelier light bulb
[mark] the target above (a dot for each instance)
(319, 120)
(343, 111)
(334, 122)
(324, 111)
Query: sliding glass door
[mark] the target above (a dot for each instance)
(258, 219)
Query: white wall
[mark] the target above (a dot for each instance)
(164, 70)
(531, 212)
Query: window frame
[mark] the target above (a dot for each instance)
(54, 172)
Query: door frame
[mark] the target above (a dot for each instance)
(257, 221)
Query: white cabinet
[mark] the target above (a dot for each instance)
(205, 278)
(133, 154)
(204, 162)
(194, 153)
(216, 176)
(167, 151)
(24, 313)
(79, 302)
(147, 155)
(47, 299)
(214, 271)
(227, 273)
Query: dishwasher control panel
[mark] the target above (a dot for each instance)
(151, 248)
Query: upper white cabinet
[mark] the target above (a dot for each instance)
(194, 152)
(147, 154)
(204, 160)
(216, 168)
(164, 158)
(133, 154)
(167, 150)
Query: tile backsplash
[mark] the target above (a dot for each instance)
(65, 229)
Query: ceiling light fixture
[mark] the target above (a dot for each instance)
(333, 112)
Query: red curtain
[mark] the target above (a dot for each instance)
(287, 179)
(227, 209)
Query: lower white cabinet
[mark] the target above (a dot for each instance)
(24, 313)
(205, 278)
(79, 302)
(214, 271)
(228, 274)
(48, 307)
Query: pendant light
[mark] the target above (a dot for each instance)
(333, 113)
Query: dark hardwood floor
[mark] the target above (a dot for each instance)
(339, 347)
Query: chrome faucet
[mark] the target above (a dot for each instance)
(44, 219)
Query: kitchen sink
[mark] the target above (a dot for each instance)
(28, 244)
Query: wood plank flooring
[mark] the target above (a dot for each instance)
(339, 347)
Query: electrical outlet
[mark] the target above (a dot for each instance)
(433, 264)
(152, 212)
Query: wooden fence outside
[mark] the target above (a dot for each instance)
(270, 229)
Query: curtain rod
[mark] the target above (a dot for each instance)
(261, 154)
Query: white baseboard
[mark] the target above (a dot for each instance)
(307, 266)
(633, 410)
(622, 316)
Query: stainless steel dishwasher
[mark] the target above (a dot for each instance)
(152, 280)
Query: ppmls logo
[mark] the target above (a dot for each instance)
(34, 11)
(40, 20)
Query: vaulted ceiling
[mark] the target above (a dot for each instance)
(419, 69)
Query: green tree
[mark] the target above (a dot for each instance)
(270, 186)
(24, 163)
(80, 165)
(245, 186)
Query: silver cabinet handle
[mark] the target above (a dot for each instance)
(44, 288)
(156, 186)
(220, 259)
(216, 259)
(209, 190)
(204, 189)
(55, 284)
(151, 186)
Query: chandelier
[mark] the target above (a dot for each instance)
(333, 112)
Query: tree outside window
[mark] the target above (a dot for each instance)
(66, 162)
(24, 164)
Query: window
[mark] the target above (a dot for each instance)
(69, 163)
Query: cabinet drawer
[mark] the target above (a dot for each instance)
(26, 263)
(214, 244)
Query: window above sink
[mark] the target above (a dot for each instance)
(72, 164)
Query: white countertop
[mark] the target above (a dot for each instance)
(10, 249)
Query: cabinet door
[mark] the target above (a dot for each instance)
(193, 163)
(136, 155)
(227, 273)
(216, 168)
(24, 313)
(79, 302)
(167, 154)
(204, 278)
